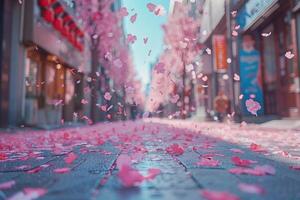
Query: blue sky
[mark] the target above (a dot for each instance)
(146, 25)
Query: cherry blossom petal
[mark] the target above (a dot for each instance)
(217, 195)
(175, 150)
(151, 7)
(71, 157)
(28, 194)
(62, 170)
(7, 185)
(107, 96)
(251, 188)
(133, 18)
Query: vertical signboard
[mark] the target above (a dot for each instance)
(220, 53)
(250, 74)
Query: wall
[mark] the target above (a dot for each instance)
(213, 12)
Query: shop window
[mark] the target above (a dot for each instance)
(270, 72)
(70, 88)
(269, 58)
(33, 79)
(54, 86)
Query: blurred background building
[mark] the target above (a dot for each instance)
(250, 51)
(43, 70)
(261, 49)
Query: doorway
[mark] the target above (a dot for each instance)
(269, 70)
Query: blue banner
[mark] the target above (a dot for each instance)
(250, 77)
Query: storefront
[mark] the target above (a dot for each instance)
(267, 60)
(56, 64)
(213, 29)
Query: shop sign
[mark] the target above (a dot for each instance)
(220, 53)
(250, 75)
(252, 11)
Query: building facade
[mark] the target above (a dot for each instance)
(45, 64)
(268, 44)
(262, 52)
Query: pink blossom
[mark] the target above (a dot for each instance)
(242, 163)
(160, 67)
(123, 12)
(237, 151)
(145, 40)
(175, 150)
(289, 55)
(28, 194)
(131, 177)
(208, 162)
(151, 7)
(175, 98)
(71, 157)
(257, 148)
(84, 102)
(217, 195)
(62, 170)
(256, 171)
(253, 106)
(133, 18)
(131, 38)
(251, 188)
(295, 167)
(152, 173)
(107, 96)
(7, 185)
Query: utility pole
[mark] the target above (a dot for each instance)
(230, 54)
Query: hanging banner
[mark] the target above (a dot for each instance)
(220, 53)
(252, 11)
(250, 75)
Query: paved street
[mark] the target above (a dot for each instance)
(187, 160)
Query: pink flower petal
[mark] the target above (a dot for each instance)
(145, 40)
(131, 38)
(7, 185)
(28, 194)
(160, 67)
(152, 173)
(253, 106)
(217, 195)
(256, 171)
(257, 148)
(62, 170)
(123, 12)
(208, 162)
(295, 167)
(130, 177)
(251, 188)
(107, 96)
(133, 18)
(242, 163)
(151, 7)
(237, 151)
(70, 158)
(175, 150)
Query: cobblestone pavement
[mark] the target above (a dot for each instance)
(194, 161)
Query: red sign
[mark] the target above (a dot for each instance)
(220, 53)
